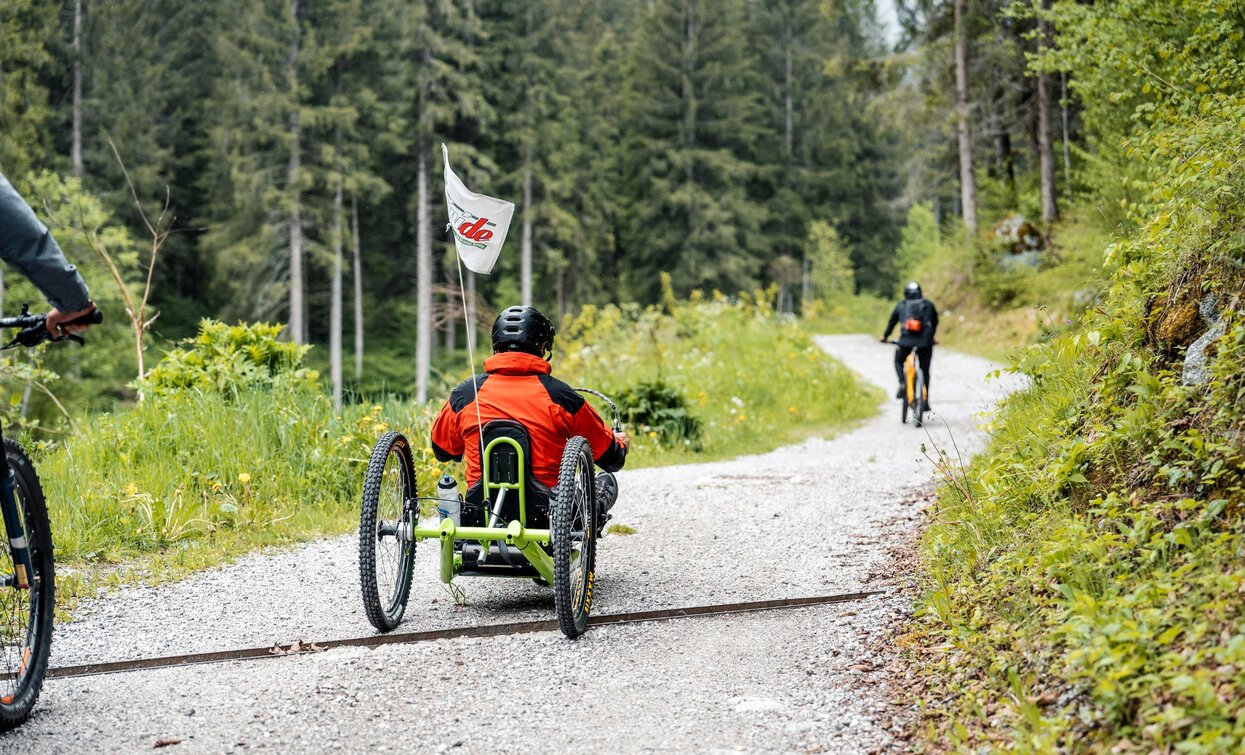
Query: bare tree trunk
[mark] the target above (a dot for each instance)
(1067, 152)
(75, 147)
(335, 302)
(471, 309)
(525, 241)
(358, 289)
(1046, 151)
(968, 186)
(788, 98)
(423, 277)
(298, 330)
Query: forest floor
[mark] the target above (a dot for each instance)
(822, 517)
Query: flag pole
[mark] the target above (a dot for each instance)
(471, 360)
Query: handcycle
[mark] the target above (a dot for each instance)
(916, 392)
(27, 580)
(508, 525)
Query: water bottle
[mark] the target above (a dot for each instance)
(449, 505)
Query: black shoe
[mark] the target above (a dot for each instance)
(607, 494)
(901, 392)
(925, 407)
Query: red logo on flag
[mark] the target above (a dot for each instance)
(476, 231)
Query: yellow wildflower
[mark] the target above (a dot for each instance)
(244, 478)
(131, 489)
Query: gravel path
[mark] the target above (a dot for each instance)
(706, 533)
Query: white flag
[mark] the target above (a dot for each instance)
(479, 223)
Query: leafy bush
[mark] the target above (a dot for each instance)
(227, 359)
(655, 406)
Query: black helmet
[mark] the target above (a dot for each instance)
(910, 291)
(523, 329)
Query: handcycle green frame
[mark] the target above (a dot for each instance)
(526, 539)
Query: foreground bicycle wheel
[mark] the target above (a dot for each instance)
(386, 548)
(26, 613)
(573, 538)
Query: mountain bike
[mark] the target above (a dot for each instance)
(508, 525)
(916, 393)
(27, 579)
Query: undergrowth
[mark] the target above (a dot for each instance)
(1085, 579)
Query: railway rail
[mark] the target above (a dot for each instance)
(300, 647)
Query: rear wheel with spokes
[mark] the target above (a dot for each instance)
(573, 538)
(386, 546)
(26, 613)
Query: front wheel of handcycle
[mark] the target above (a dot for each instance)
(26, 613)
(386, 546)
(573, 538)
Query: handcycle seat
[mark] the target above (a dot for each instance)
(503, 468)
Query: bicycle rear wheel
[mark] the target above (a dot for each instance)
(919, 393)
(386, 549)
(26, 614)
(574, 539)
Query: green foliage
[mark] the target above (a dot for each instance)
(918, 241)
(229, 359)
(1085, 573)
(655, 406)
(832, 275)
(752, 378)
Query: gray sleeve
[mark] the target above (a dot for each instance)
(27, 245)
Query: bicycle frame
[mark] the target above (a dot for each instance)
(911, 366)
(516, 533)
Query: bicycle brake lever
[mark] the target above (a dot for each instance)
(68, 337)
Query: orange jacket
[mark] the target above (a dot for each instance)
(518, 386)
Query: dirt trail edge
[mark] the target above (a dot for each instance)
(816, 518)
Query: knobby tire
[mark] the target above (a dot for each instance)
(383, 604)
(26, 616)
(574, 512)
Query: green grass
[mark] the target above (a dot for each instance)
(620, 529)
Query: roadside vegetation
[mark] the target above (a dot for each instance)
(1083, 577)
(237, 446)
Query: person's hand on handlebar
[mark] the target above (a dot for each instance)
(61, 323)
(622, 439)
(884, 339)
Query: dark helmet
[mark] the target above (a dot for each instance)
(523, 329)
(912, 290)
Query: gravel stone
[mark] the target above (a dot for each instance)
(816, 518)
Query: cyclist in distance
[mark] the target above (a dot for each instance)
(27, 245)
(517, 385)
(917, 318)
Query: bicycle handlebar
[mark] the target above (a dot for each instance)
(606, 399)
(33, 328)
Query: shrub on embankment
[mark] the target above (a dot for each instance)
(236, 446)
(1086, 575)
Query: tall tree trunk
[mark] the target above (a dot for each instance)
(423, 276)
(358, 289)
(335, 302)
(525, 240)
(75, 147)
(1046, 149)
(1004, 160)
(451, 304)
(963, 129)
(298, 329)
(787, 94)
(1067, 151)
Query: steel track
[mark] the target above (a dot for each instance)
(488, 630)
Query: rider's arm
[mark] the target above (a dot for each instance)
(608, 451)
(447, 440)
(891, 323)
(27, 245)
(933, 319)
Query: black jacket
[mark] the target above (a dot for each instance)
(922, 310)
